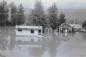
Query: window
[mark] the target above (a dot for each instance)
(19, 29)
(39, 32)
(32, 31)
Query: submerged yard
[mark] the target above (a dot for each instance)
(52, 45)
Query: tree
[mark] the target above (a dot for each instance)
(20, 19)
(3, 13)
(14, 11)
(61, 19)
(38, 16)
(31, 19)
(84, 24)
(53, 16)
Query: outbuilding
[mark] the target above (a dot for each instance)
(65, 28)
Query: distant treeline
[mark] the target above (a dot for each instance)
(11, 15)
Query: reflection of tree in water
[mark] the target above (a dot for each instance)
(84, 36)
(32, 40)
(12, 35)
(52, 45)
(3, 44)
(52, 52)
(1, 55)
(36, 52)
(46, 53)
(5, 33)
(3, 40)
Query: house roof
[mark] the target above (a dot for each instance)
(30, 27)
(64, 24)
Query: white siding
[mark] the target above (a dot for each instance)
(27, 32)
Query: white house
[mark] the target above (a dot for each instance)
(28, 34)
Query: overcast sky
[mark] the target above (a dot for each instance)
(64, 4)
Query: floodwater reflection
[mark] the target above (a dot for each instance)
(84, 36)
(75, 47)
(49, 47)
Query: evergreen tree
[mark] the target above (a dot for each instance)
(53, 16)
(84, 24)
(38, 16)
(14, 15)
(3, 13)
(20, 14)
(31, 19)
(61, 19)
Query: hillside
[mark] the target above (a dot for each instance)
(77, 15)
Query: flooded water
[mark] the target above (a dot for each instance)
(53, 45)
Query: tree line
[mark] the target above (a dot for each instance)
(16, 14)
(51, 18)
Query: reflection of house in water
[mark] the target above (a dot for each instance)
(26, 35)
(65, 28)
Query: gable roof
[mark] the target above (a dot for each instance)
(64, 24)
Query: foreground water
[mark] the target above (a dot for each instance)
(53, 45)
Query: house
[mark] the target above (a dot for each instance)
(65, 28)
(77, 27)
(26, 34)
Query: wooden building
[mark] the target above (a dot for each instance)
(65, 28)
